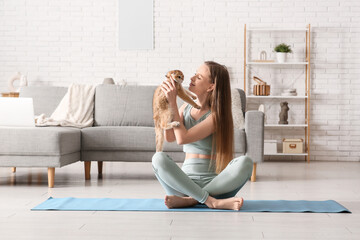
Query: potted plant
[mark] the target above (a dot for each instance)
(281, 51)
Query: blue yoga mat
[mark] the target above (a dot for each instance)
(156, 205)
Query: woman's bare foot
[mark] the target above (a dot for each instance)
(233, 203)
(179, 202)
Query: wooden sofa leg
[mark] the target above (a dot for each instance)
(100, 168)
(13, 169)
(253, 176)
(87, 166)
(51, 176)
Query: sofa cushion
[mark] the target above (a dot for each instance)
(124, 105)
(240, 141)
(46, 98)
(127, 138)
(130, 138)
(49, 141)
(243, 99)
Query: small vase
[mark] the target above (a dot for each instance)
(281, 57)
(108, 81)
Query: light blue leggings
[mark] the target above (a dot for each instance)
(197, 180)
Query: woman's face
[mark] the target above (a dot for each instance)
(201, 81)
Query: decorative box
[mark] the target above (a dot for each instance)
(293, 145)
(261, 90)
(270, 146)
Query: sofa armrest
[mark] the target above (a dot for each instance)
(254, 129)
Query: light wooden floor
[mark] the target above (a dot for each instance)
(26, 188)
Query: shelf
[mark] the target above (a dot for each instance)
(294, 64)
(277, 29)
(282, 97)
(285, 154)
(285, 125)
(276, 63)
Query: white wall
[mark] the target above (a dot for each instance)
(59, 42)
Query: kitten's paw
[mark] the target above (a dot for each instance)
(197, 106)
(172, 125)
(175, 124)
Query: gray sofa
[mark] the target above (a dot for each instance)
(123, 130)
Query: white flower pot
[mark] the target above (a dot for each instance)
(281, 57)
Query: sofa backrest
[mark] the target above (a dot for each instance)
(117, 105)
(45, 98)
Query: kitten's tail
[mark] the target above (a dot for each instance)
(159, 139)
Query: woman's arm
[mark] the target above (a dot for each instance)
(169, 135)
(198, 132)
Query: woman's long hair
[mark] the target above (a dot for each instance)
(220, 104)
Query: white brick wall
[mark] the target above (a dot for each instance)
(59, 42)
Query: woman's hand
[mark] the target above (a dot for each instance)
(170, 91)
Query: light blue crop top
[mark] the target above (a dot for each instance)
(203, 146)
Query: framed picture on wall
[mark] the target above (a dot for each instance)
(135, 31)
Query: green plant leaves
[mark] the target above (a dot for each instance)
(283, 48)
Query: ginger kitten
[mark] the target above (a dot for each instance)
(162, 113)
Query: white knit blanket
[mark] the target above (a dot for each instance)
(76, 109)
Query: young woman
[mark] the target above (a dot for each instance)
(209, 174)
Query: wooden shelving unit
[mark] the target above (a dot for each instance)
(274, 97)
(286, 126)
(276, 63)
(286, 154)
(277, 29)
(306, 97)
